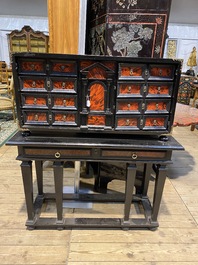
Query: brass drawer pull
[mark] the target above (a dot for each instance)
(63, 85)
(64, 103)
(134, 156)
(129, 89)
(158, 90)
(128, 106)
(35, 101)
(33, 84)
(131, 71)
(36, 117)
(57, 155)
(127, 122)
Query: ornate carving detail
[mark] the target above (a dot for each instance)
(172, 49)
(127, 43)
(126, 3)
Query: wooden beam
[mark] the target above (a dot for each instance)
(63, 17)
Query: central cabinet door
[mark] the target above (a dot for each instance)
(97, 82)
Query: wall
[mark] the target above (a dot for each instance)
(185, 37)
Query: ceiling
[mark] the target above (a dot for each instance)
(182, 11)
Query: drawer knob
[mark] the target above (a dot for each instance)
(33, 84)
(158, 90)
(131, 71)
(35, 101)
(134, 156)
(127, 122)
(63, 85)
(129, 89)
(57, 155)
(64, 103)
(128, 106)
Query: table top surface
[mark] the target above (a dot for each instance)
(95, 141)
(185, 115)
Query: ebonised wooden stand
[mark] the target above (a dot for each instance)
(154, 153)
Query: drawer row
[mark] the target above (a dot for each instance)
(72, 118)
(69, 153)
(72, 68)
(69, 85)
(69, 102)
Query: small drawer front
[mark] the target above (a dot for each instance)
(33, 84)
(34, 100)
(127, 105)
(157, 106)
(161, 71)
(155, 122)
(32, 66)
(63, 68)
(124, 122)
(64, 102)
(56, 153)
(160, 89)
(131, 70)
(64, 118)
(64, 85)
(96, 120)
(35, 117)
(129, 89)
(134, 154)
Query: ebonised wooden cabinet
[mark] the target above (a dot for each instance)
(85, 93)
(127, 27)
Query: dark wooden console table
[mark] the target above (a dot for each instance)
(154, 153)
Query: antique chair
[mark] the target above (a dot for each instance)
(7, 101)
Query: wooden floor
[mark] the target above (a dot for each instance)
(175, 242)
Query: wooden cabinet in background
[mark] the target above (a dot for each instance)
(27, 40)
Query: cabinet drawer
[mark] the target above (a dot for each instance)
(67, 85)
(63, 68)
(155, 122)
(160, 89)
(157, 106)
(34, 100)
(131, 71)
(65, 118)
(126, 122)
(134, 154)
(33, 84)
(64, 102)
(32, 66)
(59, 153)
(161, 72)
(35, 117)
(127, 105)
(129, 89)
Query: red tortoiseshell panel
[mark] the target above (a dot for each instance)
(39, 117)
(64, 102)
(64, 67)
(135, 71)
(131, 122)
(158, 89)
(34, 84)
(29, 100)
(150, 122)
(64, 85)
(97, 97)
(97, 72)
(130, 89)
(64, 117)
(32, 66)
(157, 106)
(128, 106)
(161, 72)
(96, 120)
(110, 65)
(85, 64)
